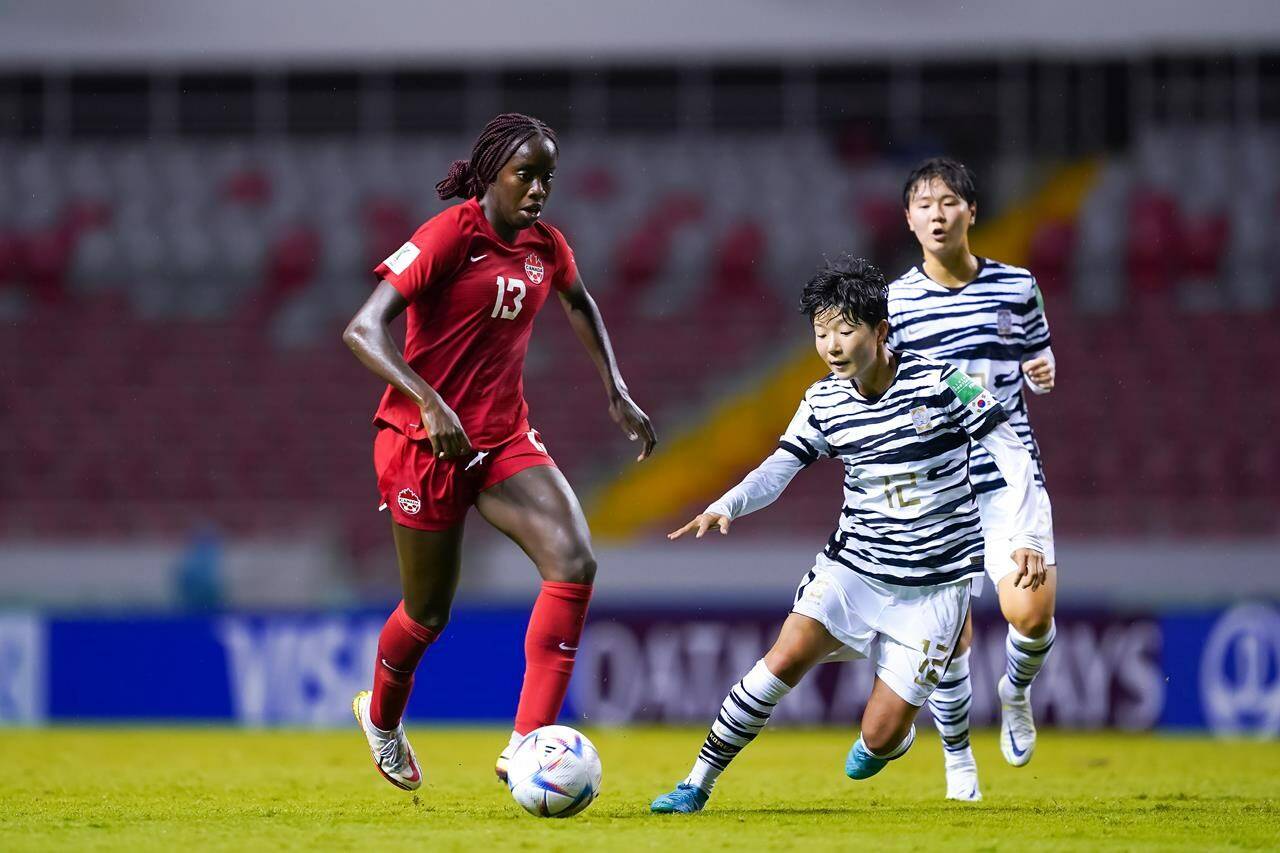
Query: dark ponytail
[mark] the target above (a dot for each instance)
(492, 149)
(457, 183)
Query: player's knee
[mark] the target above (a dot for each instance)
(582, 569)
(427, 615)
(1032, 623)
(787, 670)
(788, 664)
(877, 739)
(882, 737)
(577, 566)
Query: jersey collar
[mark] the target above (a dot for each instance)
(982, 265)
(478, 212)
(897, 369)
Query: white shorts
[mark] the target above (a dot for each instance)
(907, 632)
(996, 527)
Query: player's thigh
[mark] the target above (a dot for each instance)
(998, 524)
(919, 633)
(887, 718)
(430, 562)
(1030, 611)
(802, 642)
(966, 634)
(537, 509)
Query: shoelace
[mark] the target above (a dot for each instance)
(390, 754)
(1020, 727)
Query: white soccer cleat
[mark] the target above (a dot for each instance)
(392, 754)
(962, 776)
(1017, 727)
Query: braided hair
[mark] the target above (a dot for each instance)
(492, 149)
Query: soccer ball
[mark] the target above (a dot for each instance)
(554, 772)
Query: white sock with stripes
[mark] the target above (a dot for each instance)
(950, 702)
(744, 713)
(1026, 655)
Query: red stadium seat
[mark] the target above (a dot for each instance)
(883, 220)
(1150, 427)
(1154, 252)
(248, 187)
(13, 258)
(1050, 255)
(1205, 241)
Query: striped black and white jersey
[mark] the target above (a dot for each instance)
(909, 515)
(987, 328)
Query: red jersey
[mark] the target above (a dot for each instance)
(472, 299)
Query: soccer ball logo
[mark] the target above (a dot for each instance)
(533, 268)
(409, 502)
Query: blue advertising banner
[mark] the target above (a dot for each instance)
(258, 669)
(1195, 670)
(1223, 670)
(1105, 671)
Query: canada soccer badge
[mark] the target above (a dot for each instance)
(533, 268)
(409, 502)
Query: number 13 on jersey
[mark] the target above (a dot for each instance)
(508, 309)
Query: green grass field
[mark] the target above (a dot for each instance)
(145, 789)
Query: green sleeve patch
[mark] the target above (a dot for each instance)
(964, 387)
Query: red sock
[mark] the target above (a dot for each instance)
(555, 627)
(400, 647)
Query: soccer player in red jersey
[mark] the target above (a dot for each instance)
(453, 429)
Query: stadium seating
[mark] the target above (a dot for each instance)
(172, 315)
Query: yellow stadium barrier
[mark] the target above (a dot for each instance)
(739, 430)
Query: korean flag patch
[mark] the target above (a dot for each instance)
(402, 257)
(983, 402)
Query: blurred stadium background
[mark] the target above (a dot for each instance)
(192, 196)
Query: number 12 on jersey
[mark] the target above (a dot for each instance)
(892, 489)
(507, 286)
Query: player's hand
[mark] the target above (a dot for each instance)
(634, 422)
(1031, 570)
(444, 431)
(1040, 371)
(702, 524)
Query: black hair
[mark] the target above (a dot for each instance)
(956, 175)
(852, 286)
(492, 149)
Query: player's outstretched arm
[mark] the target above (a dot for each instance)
(1015, 465)
(588, 325)
(703, 523)
(368, 336)
(756, 491)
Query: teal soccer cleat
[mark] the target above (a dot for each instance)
(685, 799)
(861, 764)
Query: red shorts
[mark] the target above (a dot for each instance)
(434, 494)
